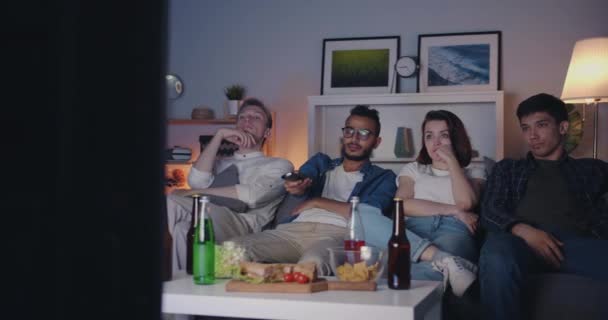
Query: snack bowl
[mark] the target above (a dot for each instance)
(365, 264)
(228, 257)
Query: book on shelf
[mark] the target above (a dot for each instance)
(179, 153)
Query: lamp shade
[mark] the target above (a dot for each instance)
(587, 77)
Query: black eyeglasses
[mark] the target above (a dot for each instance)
(363, 134)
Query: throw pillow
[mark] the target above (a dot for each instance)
(226, 178)
(284, 210)
(489, 165)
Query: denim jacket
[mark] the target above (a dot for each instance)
(377, 188)
(587, 180)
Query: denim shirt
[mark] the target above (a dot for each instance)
(377, 188)
(587, 180)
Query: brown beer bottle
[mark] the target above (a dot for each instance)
(191, 231)
(399, 261)
(166, 271)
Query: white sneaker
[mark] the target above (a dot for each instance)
(460, 272)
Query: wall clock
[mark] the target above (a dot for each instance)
(175, 87)
(407, 66)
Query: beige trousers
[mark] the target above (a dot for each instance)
(294, 242)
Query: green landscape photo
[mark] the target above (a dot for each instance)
(360, 68)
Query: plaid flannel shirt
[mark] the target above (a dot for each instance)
(587, 180)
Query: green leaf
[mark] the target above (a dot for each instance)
(575, 128)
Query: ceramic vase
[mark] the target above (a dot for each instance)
(233, 107)
(404, 144)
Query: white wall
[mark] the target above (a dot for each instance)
(273, 47)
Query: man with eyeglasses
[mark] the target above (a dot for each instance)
(319, 220)
(245, 189)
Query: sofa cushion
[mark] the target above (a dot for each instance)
(488, 164)
(283, 214)
(226, 178)
(565, 296)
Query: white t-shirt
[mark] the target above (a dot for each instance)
(339, 184)
(434, 184)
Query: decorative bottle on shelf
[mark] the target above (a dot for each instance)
(404, 143)
(191, 231)
(399, 262)
(355, 235)
(203, 253)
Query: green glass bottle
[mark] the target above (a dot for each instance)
(196, 202)
(203, 254)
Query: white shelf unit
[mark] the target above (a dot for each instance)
(481, 113)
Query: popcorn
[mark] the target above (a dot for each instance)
(227, 259)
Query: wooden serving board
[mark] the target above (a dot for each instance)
(352, 285)
(279, 287)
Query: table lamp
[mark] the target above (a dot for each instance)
(587, 78)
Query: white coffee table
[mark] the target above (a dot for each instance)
(422, 301)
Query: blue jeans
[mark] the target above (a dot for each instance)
(445, 232)
(506, 261)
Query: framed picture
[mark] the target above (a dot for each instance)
(360, 65)
(452, 62)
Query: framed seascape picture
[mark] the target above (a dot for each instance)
(452, 62)
(359, 65)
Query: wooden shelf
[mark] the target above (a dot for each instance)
(202, 122)
(396, 160)
(179, 162)
(412, 159)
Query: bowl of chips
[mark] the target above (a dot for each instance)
(365, 264)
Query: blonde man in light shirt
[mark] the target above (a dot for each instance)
(243, 205)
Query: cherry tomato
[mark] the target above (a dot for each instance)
(289, 277)
(302, 278)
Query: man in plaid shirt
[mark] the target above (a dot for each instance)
(545, 213)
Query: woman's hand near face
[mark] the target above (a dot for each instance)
(446, 153)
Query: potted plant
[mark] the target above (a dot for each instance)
(235, 93)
